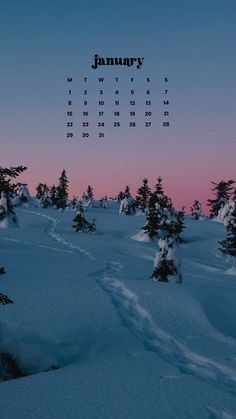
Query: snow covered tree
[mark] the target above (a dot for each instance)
(167, 261)
(62, 191)
(81, 224)
(196, 210)
(7, 191)
(127, 206)
(120, 196)
(127, 193)
(143, 196)
(22, 195)
(88, 197)
(160, 209)
(228, 246)
(174, 226)
(127, 202)
(42, 189)
(89, 193)
(222, 192)
(53, 195)
(104, 202)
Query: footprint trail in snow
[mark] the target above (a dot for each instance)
(141, 324)
(54, 235)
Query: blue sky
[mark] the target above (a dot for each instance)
(193, 42)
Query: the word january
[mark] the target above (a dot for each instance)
(117, 61)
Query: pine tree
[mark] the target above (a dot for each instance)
(127, 193)
(228, 246)
(7, 191)
(127, 202)
(22, 194)
(42, 189)
(53, 195)
(196, 210)
(89, 193)
(167, 263)
(160, 209)
(222, 192)
(143, 196)
(104, 202)
(81, 224)
(174, 226)
(120, 196)
(62, 191)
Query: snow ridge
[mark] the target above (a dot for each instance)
(52, 232)
(141, 324)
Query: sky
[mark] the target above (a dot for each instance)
(191, 42)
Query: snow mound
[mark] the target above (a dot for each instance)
(141, 236)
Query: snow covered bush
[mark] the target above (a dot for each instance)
(22, 195)
(81, 224)
(167, 261)
(127, 206)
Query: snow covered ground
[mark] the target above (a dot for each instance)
(121, 345)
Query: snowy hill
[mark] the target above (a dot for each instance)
(100, 338)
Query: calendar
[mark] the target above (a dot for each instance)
(98, 104)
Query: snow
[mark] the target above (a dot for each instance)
(120, 344)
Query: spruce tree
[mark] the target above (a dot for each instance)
(62, 191)
(89, 193)
(222, 192)
(81, 224)
(160, 209)
(127, 193)
(53, 195)
(127, 202)
(120, 196)
(167, 263)
(228, 246)
(196, 210)
(174, 226)
(8, 189)
(143, 196)
(41, 190)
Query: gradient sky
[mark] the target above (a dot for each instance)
(192, 42)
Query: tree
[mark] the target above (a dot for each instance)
(22, 194)
(81, 224)
(160, 209)
(42, 189)
(143, 196)
(53, 195)
(89, 193)
(167, 262)
(222, 192)
(174, 226)
(62, 191)
(7, 191)
(104, 202)
(127, 206)
(196, 210)
(228, 246)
